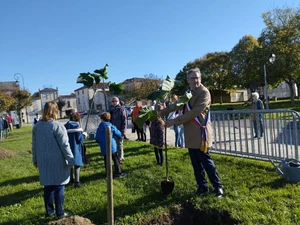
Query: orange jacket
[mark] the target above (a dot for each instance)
(135, 112)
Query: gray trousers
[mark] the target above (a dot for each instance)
(120, 148)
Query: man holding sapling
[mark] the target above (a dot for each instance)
(196, 121)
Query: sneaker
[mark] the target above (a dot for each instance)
(202, 191)
(120, 175)
(63, 215)
(219, 192)
(51, 214)
(77, 185)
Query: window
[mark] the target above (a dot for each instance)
(69, 104)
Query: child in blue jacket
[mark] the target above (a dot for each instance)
(101, 139)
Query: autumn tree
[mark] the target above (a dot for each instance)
(60, 104)
(182, 85)
(22, 99)
(149, 84)
(245, 60)
(216, 73)
(282, 38)
(6, 101)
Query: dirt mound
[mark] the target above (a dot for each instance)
(188, 215)
(73, 220)
(5, 154)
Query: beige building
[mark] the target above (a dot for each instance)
(132, 83)
(70, 104)
(84, 97)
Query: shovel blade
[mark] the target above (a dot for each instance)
(167, 186)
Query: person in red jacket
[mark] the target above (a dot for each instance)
(141, 136)
(9, 120)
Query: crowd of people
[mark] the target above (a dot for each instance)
(58, 151)
(5, 126)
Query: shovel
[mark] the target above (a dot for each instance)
(167, 185)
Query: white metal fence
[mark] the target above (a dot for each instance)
(234, 134)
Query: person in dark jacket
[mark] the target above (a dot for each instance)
(157, 131)
(5, 127)
(118, 119)
(76, 139)
(257, 118)
(101, 140)
(1, 128)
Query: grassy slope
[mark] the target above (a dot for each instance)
(255, 193)
(280, 104)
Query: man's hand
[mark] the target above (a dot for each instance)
(169, 123)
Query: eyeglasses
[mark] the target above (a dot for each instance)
(194, 78)
(114, 101)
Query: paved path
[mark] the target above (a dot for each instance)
(133, 136)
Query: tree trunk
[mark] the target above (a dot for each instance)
(20, 118)
(297, 90)
(221, 97)
(90, 110)
(292, 94)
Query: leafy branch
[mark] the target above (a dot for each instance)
(91, 80)
(161, 95)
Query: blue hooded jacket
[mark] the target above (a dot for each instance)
(76, 139)
(101, 139)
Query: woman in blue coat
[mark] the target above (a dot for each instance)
(101, 139)
(76, 139)
(52, 155)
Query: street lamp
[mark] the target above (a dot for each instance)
(272, 60)
(17, 77)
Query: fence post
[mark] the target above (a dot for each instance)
(109, 176)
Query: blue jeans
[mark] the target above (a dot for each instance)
(181, 137)
(260, 126)
(54, 194)
(203, 162)
(176, 130)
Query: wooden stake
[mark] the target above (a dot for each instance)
(109, 175)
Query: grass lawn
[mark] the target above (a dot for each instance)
(280, 104)
(254, 192)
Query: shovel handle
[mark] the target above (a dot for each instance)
(166, 153)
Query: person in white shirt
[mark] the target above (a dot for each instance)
(36, 119)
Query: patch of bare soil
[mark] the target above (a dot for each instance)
(5, 154)
(73, 220)
(188, 215)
